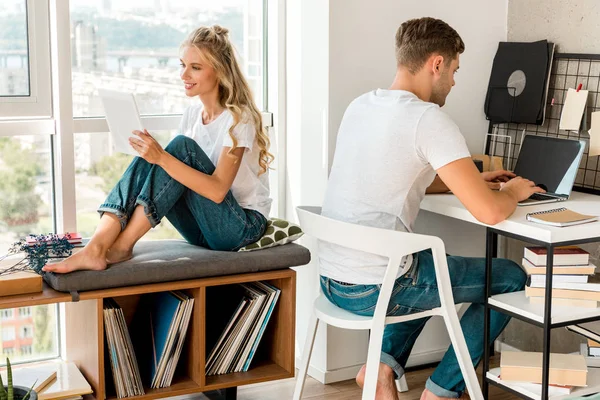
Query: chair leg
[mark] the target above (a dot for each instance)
(462, 353)
(401, 384)
(373, 360)
(313, 324)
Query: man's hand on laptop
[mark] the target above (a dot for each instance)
(520, 188)
(495, 179)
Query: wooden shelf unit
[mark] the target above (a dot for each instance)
(85, 333)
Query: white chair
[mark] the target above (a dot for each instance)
(394, 245)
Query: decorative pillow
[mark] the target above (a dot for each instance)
(279, 231)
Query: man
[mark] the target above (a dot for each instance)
(391, 143)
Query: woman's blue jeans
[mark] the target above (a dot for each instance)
(417, 291)
(202, 222)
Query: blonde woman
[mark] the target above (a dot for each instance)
(211, 181)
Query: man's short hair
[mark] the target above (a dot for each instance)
(417, 39)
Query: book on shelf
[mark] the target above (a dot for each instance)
(560, 217)
(593, 362)
(36, 377)
(523, 366)
(73, 238)
(123, 361)
(533, 390)
(532, 269)
(70, 383)
(556, 301)
(584, 287)
(161, 323)
(235, 347)
(564, 255)
(540, 280)
(589, 330)
(564, 293)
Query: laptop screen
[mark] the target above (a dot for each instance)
(551, 162)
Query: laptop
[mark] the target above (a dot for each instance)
(551, 163)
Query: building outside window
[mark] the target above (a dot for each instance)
(6, 314)
(24, 312)
(8, 333)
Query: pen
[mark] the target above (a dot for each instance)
(579, 87)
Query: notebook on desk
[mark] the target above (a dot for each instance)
(552, 164)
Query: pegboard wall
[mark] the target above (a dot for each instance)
(568, 71)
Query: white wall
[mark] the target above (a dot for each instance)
(337, 50)
(361, 57)
(571, 24)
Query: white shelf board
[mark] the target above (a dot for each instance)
(518, 303)
(593, 380)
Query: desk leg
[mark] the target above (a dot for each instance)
(547, 321)
(491, 239)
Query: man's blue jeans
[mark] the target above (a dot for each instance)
(202, 222)
(417, 291)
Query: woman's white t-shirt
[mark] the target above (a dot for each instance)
(249, 189)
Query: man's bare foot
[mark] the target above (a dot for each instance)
(88, 258)
(116, 255)
(427, 395)
(386, 384)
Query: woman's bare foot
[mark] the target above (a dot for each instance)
(427, 395)
(116, 255)
(89, 258)
(386, 384)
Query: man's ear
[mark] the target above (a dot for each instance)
(438, 64)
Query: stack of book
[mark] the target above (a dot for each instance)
(161, 323)
(524, 371)
(123, 362)
(237, 343)
(570, 274)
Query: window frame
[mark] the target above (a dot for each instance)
(39, 101)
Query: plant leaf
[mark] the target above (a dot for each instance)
(11, 395)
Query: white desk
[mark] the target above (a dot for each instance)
(516, 304)
(450, 206)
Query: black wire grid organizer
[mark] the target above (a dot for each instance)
(568, 71)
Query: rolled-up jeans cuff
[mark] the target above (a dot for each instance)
(149, 210)
(115, 209)
(440, 391)
(392, 363)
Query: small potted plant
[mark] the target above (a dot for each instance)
(10, 392)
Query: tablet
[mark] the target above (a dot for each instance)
(123, 118)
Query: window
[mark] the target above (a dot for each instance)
(24, 59)
(134, 46)
(25, 188)
(6, 314)
(25, 312)
(26, 332)
(8, 333)
(8, 351)
(56, 161)
(25, 350)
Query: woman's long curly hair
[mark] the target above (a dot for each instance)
(234, 91)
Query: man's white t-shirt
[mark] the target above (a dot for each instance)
(389, 145)
(249, 189)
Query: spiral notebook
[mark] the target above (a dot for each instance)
(560, 217)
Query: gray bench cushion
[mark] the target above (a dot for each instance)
(174, 260)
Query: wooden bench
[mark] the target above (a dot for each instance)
(175, 265)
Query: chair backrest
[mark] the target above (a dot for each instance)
(383, 242)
